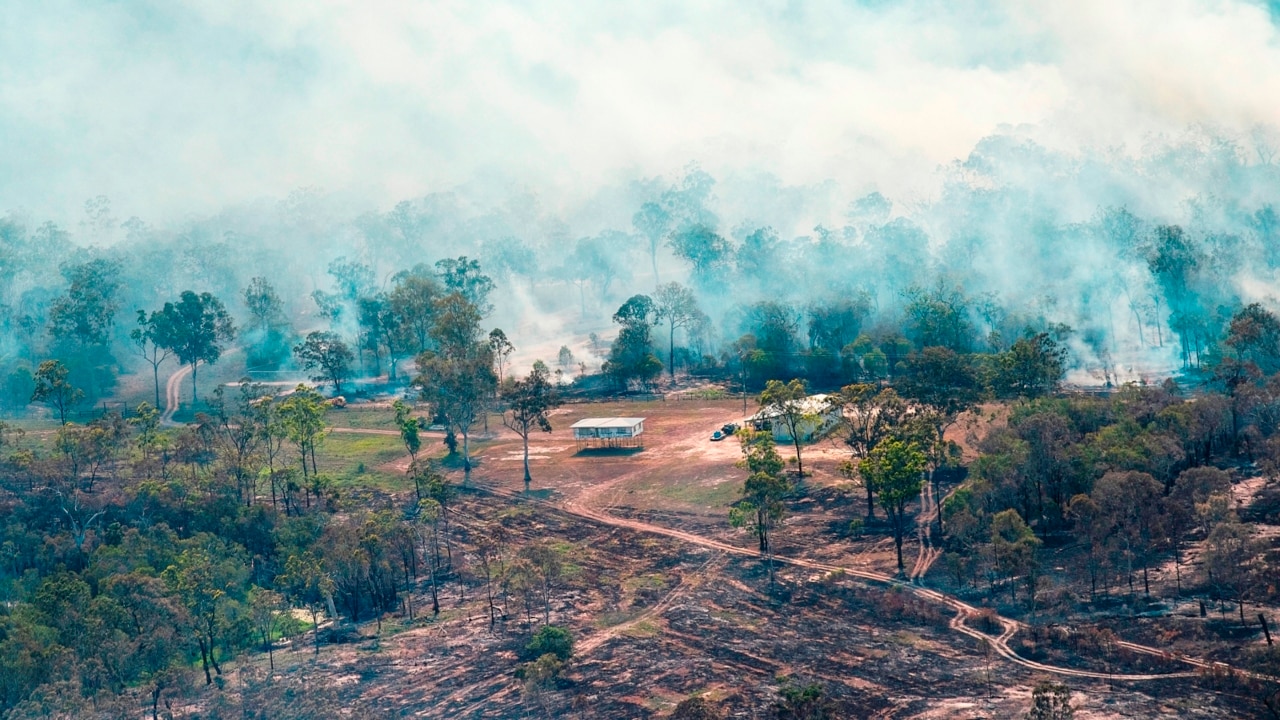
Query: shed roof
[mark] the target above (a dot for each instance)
(613, 422)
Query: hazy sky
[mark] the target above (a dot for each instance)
(172, 107)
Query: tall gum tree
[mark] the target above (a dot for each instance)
(761, 507)
(146, 338)
(195, 329)
(869, 415)
(895, 472)
(528, 402)
(675, 305)
(458, 378)
(787, 400)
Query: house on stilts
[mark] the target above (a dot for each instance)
(614, 432)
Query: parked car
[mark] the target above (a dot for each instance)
(717, 436)
(729, 428)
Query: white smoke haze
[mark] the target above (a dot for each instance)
(171, 108)
(1005, 131)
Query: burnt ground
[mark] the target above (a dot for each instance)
(657, 618)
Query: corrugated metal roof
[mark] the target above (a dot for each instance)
(614, 422)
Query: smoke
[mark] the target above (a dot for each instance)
(172, 108)
(988, 148)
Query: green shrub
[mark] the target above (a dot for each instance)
(550, 640)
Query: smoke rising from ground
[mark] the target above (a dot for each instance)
(1025, 156)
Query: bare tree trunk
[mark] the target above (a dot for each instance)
(466, 456)
(204, 661)
(315, 627)
(671, 353)
(527, 477)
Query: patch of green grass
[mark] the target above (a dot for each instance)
(564, 547)
(516, 511)
(907, 638)
(379, 480)
(642, 629)
(651, 581)
(344, 453)
(358, 416)
(31, 423)
(700, 494)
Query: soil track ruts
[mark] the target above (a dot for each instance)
(924, 533)
(692, 580)
(171, 393)
(580, 507)
(964, 611)
(173, 389)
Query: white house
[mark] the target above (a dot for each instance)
(819, 416)
(609, 432)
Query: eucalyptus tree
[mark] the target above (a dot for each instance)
(327, 352)
(528, 402)
(302, 418)
(631, 354)
(761, 507)
(147, 339)
(462, 275)
(1013, 548)
(53, 388)
(894, 470)
(268, 329)
(707, 252)
(237, 435)
(1231, 562)
(307, 584)
(501, 348)
(413, 304)
(675, 305)
(868, 415)
(653, 222)
(458, 378)
(205, 580)
(409, 427)
(196, 328)
(86, 313)
(789, 405)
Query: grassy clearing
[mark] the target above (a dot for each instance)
(701, 494)
(341, 453)
(364, 418)
(355, 461)
(31, 424)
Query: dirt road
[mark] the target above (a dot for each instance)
(172, 394)
(964, 611)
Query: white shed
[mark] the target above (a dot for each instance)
(609, 432)
(819, 416)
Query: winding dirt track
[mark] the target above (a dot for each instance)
(172, 394)
(581, 507)
(964, 611)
